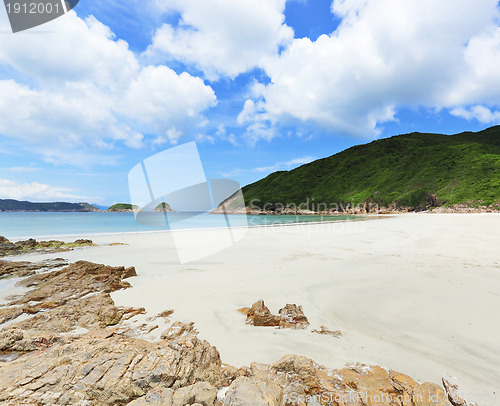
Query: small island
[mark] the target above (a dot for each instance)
(123, 208)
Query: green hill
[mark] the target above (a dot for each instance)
(123, 207)
(414, 170)
(16, 205)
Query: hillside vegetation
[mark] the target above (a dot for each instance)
(16, 205)
(414, 170)
(123, 207)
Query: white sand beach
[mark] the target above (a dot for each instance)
(417, 293)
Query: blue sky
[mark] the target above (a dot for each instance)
(261, 85)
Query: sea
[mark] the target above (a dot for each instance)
(19, 225)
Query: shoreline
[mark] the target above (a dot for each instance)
(361, 217)
(394, 287)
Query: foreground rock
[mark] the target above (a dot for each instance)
(24, 268)
(54, 289)
(25, 247)
(77, 349)
(107, 370)
(290, 316)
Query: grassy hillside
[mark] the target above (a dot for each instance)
(405, 169)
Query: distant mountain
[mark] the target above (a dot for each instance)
(99, 206)
(16, 205)
(412, 170)
(91, 207)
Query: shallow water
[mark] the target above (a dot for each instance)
(37, 224)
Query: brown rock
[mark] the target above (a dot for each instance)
(178, 329)
(326, 331)
(260, 315)
(74, 281)
(252, 392)
(31, 245)
(113, 370)
(156, 397)
(10, 313)
(452, 393)
(23, 268)
(201, 393)
(166, 313)
(292, 316)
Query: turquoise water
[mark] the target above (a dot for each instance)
(22, 225)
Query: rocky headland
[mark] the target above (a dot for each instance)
(64, 341)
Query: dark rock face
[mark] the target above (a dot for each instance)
(290, 316)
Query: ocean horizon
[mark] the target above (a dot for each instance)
(19, 225)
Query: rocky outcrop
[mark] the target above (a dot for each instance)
(253, 392)
(302, 382)
(290, 316)
(106, 370)
(31, 245)
(54, 289)
(24, 268)
(78, 349)
(453, 395)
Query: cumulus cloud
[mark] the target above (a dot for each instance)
(77, 86)
(34, 191)
(385, 55)
(480, 113)
(222, 38)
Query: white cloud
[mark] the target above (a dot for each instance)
(278, 166)
(480, 113)
(286, 165)
(77, 87)
(222, 38)
(34, 191)
(386, 54)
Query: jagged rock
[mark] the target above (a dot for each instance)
(31, 245)
(10, 313)
(303, 379)
(56, 288)
(178, 329)
(108, 366)
(83, 242)
(201, 392)
(166, 313)
(252, 392)
(19, 341)
(24, 268)
(74, 281)
(452, 393)
(290, 316)
(155, 397)
(260, 315)
(326, 331)
(90, 312)
(107, 370)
